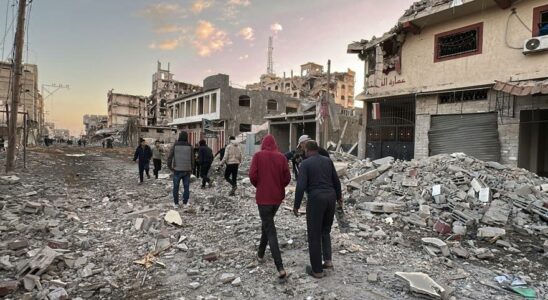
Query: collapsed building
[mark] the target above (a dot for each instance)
(311, 84)
(459, 76)
(94, 123)
(221, 110)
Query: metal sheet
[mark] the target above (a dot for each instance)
(474, 134)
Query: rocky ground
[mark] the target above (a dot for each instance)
(75, 224)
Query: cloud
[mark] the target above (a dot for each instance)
(160, 10)
(170, 44)
(208, 39)
(169, 28)
(245, 56)
(199, 5)
(246, 33)
(239, 2)
(276, 27)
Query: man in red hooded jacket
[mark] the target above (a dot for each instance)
(269, 173)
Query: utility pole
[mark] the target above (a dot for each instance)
(16, 93)
(327, 101)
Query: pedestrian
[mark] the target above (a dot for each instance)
(196, 169)
(84, 142)
(205, 155)
(143, 153)
(157, 158)
(80, 143)
(181, 162)
(269, 174)
(232, 159)
(2, 144)
(299, 155)
(319, 179)
(103, 143)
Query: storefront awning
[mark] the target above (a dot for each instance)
(523, 88)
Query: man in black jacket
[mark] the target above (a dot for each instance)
(181, 162)
(205, 155)
(319, 179)
(143, 153)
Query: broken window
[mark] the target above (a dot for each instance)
(245, 127)
(193, 107)
(290, 110)
(540, 20)
(244, 101)
(201, 106)
(271, 105)
(206, 104)
(213, 103)
(275, 87)
(460, 96)
(295, 94)
(342, 86)
(342, 97)
(187, 109)
(460, 42)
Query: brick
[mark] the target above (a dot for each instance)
(58, 244)
(18, 244)
(8, 287)
(442, 227)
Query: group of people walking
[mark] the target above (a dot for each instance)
(269, 174)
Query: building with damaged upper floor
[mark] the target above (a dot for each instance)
(123, 107)
(165, 89)
(459, 76)
(220, 110)
(311, 84)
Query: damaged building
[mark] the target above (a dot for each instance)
(459, 76)
(165, 89)
(94, 123)
(221, 110)
(311, 84)
(122, 107)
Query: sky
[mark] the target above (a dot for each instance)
(97, 45)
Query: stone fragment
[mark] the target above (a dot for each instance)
(384, 168)
(31, 207)
(504, 244)
(415, 220)
(495, 165)
(194, 285)
(58, 244)
(437, 243)
(460, 252)
(192, 272)
(5, 263)
(11, 179)
(138, 223)
(410, 182)
(381, 207)
(442, 227)
(173, 217)
(372, 277)
(210, 255)
(227, 277)
(8, 287)
(341, 168)
(424, 211)
(483, 253)
(365, 177)
(58, 294)
(31, 281)
(383, 161)
(422, 284)
(459, 228)
(491, 232)
(545, 245)
(18, 244)
(163, 244)
(237, 282)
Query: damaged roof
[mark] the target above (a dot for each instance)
(423, 5)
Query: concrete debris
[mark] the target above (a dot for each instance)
(39, 264)
(442, 227)
(227, 278)
(12, 179)
(8, 287)
(31, 281)
(460, 252)
(491, 232)
(5, 263)
(442, 246)
(58, 294)
(173, 217)
(422, 284)
(497, 214)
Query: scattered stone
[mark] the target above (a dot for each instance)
(138, 223)
(8, 287)
(483, 253)
(372, 277)
(227, 278)
(491, 232)
(194, 285)
(424, 211)
(5, 263)
(39, 264)
(58, 294)
(422, 284)
(383, 161)
(12, 179)
(381, 207)
(438, 243)
(210, 255)
(237, 282)
(415, 220)
(173, 217)
(18, 244)
(495, 165)
(31, 281)
(460, 252)
(442, 227)
(497, 214)
(58, 244)
(545, 246)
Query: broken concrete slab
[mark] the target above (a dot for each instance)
(383, 161)
(138, 223)
(422, 284)
(341, 168)
(365, 177)
(173, 217)
(58, 294)
(227, 277)
(31, 281)
(18, 244)
(495, 165)
(497, 214)
(381, 207)
(11, 179)
(415, 220)
(8, 287)
(5, 263)
(410, 182)
(437, 243)
(39, 264)
(384, 168)
(491, 232)
(460, 252)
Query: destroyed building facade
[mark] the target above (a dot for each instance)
(165, 89)
(31, 101)
(311, 84)
(456, 76)
(122, 107)
(221, 110)
(93, 123)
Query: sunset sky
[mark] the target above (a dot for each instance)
(98, 45)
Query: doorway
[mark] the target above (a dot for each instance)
(533, 141)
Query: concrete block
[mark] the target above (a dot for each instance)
(497, 214)
(422, 284)
(365, 177)
(491, 232)
(438, 244)
(18, 244)
(442, 227)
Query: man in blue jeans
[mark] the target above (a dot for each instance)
(181, 162)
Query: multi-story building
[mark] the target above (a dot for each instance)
(221, 110)
(460, 76)
(165, 89)
(122, 107)
(31, 101)
(311, 84)
(93, 123)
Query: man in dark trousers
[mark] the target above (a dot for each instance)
(143, 153)
(181, 162)
(157, 158)
(319, 179)
(205, 155)
(269, 174)
(232, 159)
(196, 170)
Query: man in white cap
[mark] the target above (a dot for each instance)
(299, 155)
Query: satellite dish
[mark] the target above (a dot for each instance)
(532, 44)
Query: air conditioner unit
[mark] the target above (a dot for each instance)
(536, 44)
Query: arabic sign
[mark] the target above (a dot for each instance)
(392, 81)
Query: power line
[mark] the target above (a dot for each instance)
(7, 29)
(27, 29)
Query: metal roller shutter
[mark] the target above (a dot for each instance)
(474, 134)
